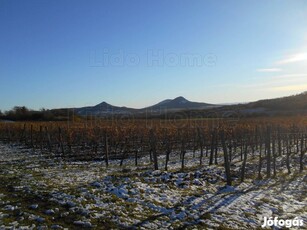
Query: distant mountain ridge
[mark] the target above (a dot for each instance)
(170, 108)
(103, 109)
(178, 103)
(282, 106)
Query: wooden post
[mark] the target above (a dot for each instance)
(215, 149)
(41, 137)
(23, 134)
(268, 155)
(69, 141)
(106, 149)
(168, 151)
(279, 142)
(9, 136)
(31, 136)
(274, 155)
(183, 151)
(226, 160)
(48, 139)
(244, 163)
(260, 159)
(125, 147)
(303, 150)
(288, 155)
(212, 147)
(136, 157)
(230, 151)
(61, 141)
(241, 149)
(200, 141)
(153, 149)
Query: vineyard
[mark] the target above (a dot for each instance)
(182, 156)
(104, 141)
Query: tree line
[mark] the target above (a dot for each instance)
(22, 113)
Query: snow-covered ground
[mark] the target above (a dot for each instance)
(37, 192)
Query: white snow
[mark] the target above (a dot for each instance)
(197, 197)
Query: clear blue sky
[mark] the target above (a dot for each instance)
(71, 53)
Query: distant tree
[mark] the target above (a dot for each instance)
(18, 113)
(21, 112)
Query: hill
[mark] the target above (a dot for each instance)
(168, 105)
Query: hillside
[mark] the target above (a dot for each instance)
(290, 105)
(177, 107)
(178, 103)
(168, 105)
